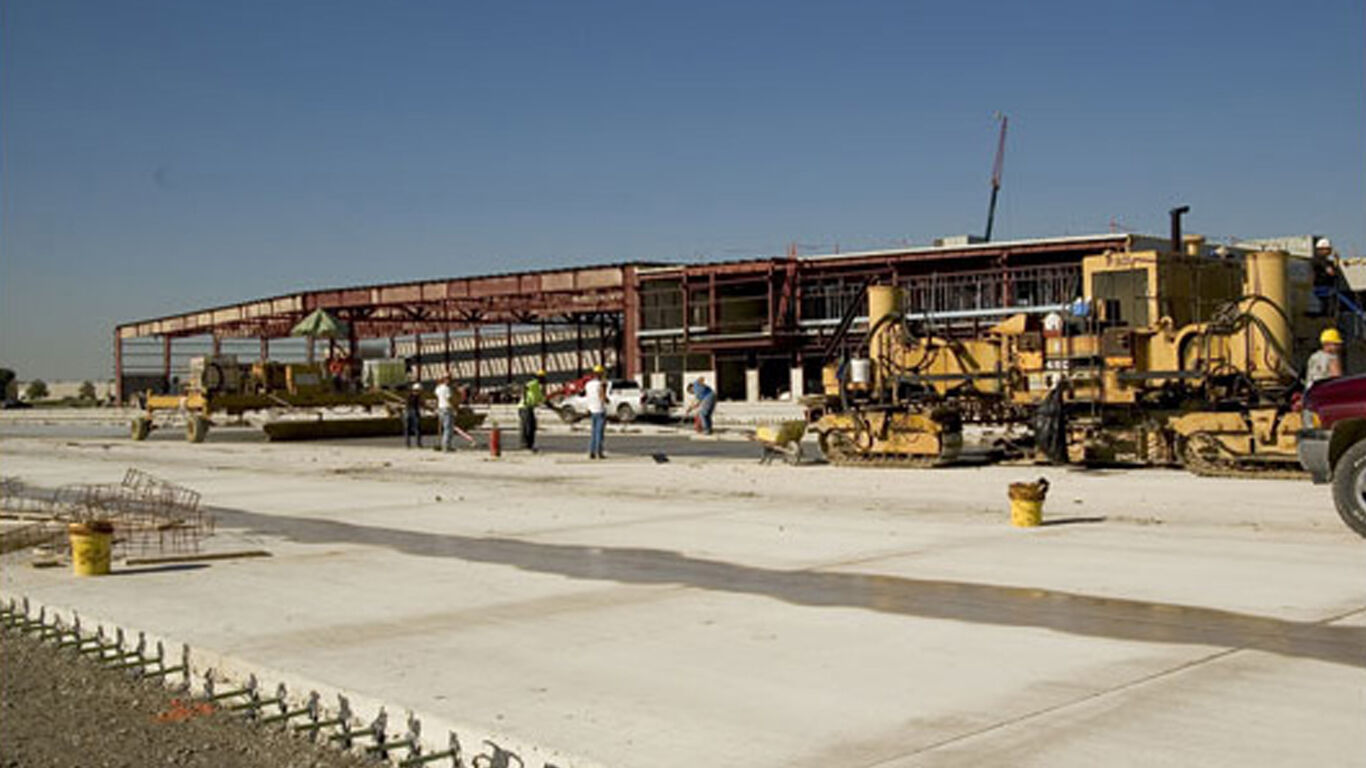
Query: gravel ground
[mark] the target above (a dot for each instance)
(58, 709)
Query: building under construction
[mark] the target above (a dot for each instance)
(758, 328)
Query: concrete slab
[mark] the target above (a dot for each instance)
(641, 614)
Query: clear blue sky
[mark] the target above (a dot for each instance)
(164, 156)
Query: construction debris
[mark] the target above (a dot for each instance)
(149, 515)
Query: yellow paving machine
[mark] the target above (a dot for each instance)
(1168, 357)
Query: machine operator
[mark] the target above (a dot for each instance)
(1327, 362)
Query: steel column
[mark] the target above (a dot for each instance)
(118, 367)
(602, 343)
(578, 346)
(630, 318)
(166, 359)
(478, 353)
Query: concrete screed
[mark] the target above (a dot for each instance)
(705, 611)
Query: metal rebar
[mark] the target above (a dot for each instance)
(54, 630)
(212, 695)
(343, 717)
(98, 641)
(501, 758)
(127, 659)
(29, 625)
(410, 741)
(310, 709)
(254, 705)
(375, 730)
(452, 751)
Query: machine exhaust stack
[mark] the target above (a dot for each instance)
(1176, 214)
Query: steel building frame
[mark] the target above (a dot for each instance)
(771, 309)
(599, 297)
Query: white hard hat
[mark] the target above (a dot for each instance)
(1323, 243)
(417, 385)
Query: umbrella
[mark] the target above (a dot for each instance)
(320, 325)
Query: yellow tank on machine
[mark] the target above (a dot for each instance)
(1167, 357)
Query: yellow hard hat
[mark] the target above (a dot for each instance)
(540, 374)
(598, 369)
(1330, 336)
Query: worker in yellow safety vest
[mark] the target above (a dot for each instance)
(533, 395)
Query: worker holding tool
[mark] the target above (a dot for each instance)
(412, 416)
(595, 392)
(533, 396)
(445, 409)
(1327, 362)
(704, 402)
(445, 412)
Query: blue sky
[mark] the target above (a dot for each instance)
(163, 156)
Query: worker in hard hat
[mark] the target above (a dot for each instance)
(595, 392)
(1327, 362)
(533, 396)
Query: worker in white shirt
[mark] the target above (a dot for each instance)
(595, 391)
(446, 413)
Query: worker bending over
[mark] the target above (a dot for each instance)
(704, 402)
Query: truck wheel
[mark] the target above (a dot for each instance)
(567, 414)
(625, 413)
(140, 427)
(196, 428)
(1349, 487)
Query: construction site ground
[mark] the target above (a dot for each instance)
(709, 610)
(59, 710)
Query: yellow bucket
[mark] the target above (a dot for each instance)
(1026, 503)
(90, 545)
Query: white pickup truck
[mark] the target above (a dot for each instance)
(626, 400)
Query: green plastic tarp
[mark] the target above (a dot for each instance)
(320, 325)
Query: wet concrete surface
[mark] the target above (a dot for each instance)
(1065, 612)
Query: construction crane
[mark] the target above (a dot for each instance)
(996, 174)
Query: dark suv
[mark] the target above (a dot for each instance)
(1333, 444)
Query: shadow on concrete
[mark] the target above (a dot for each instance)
(1077, 614)
(171, 568)
(1072, 520)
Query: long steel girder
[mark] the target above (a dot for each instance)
(566, 296)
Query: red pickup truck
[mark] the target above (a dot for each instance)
(1333, 444)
